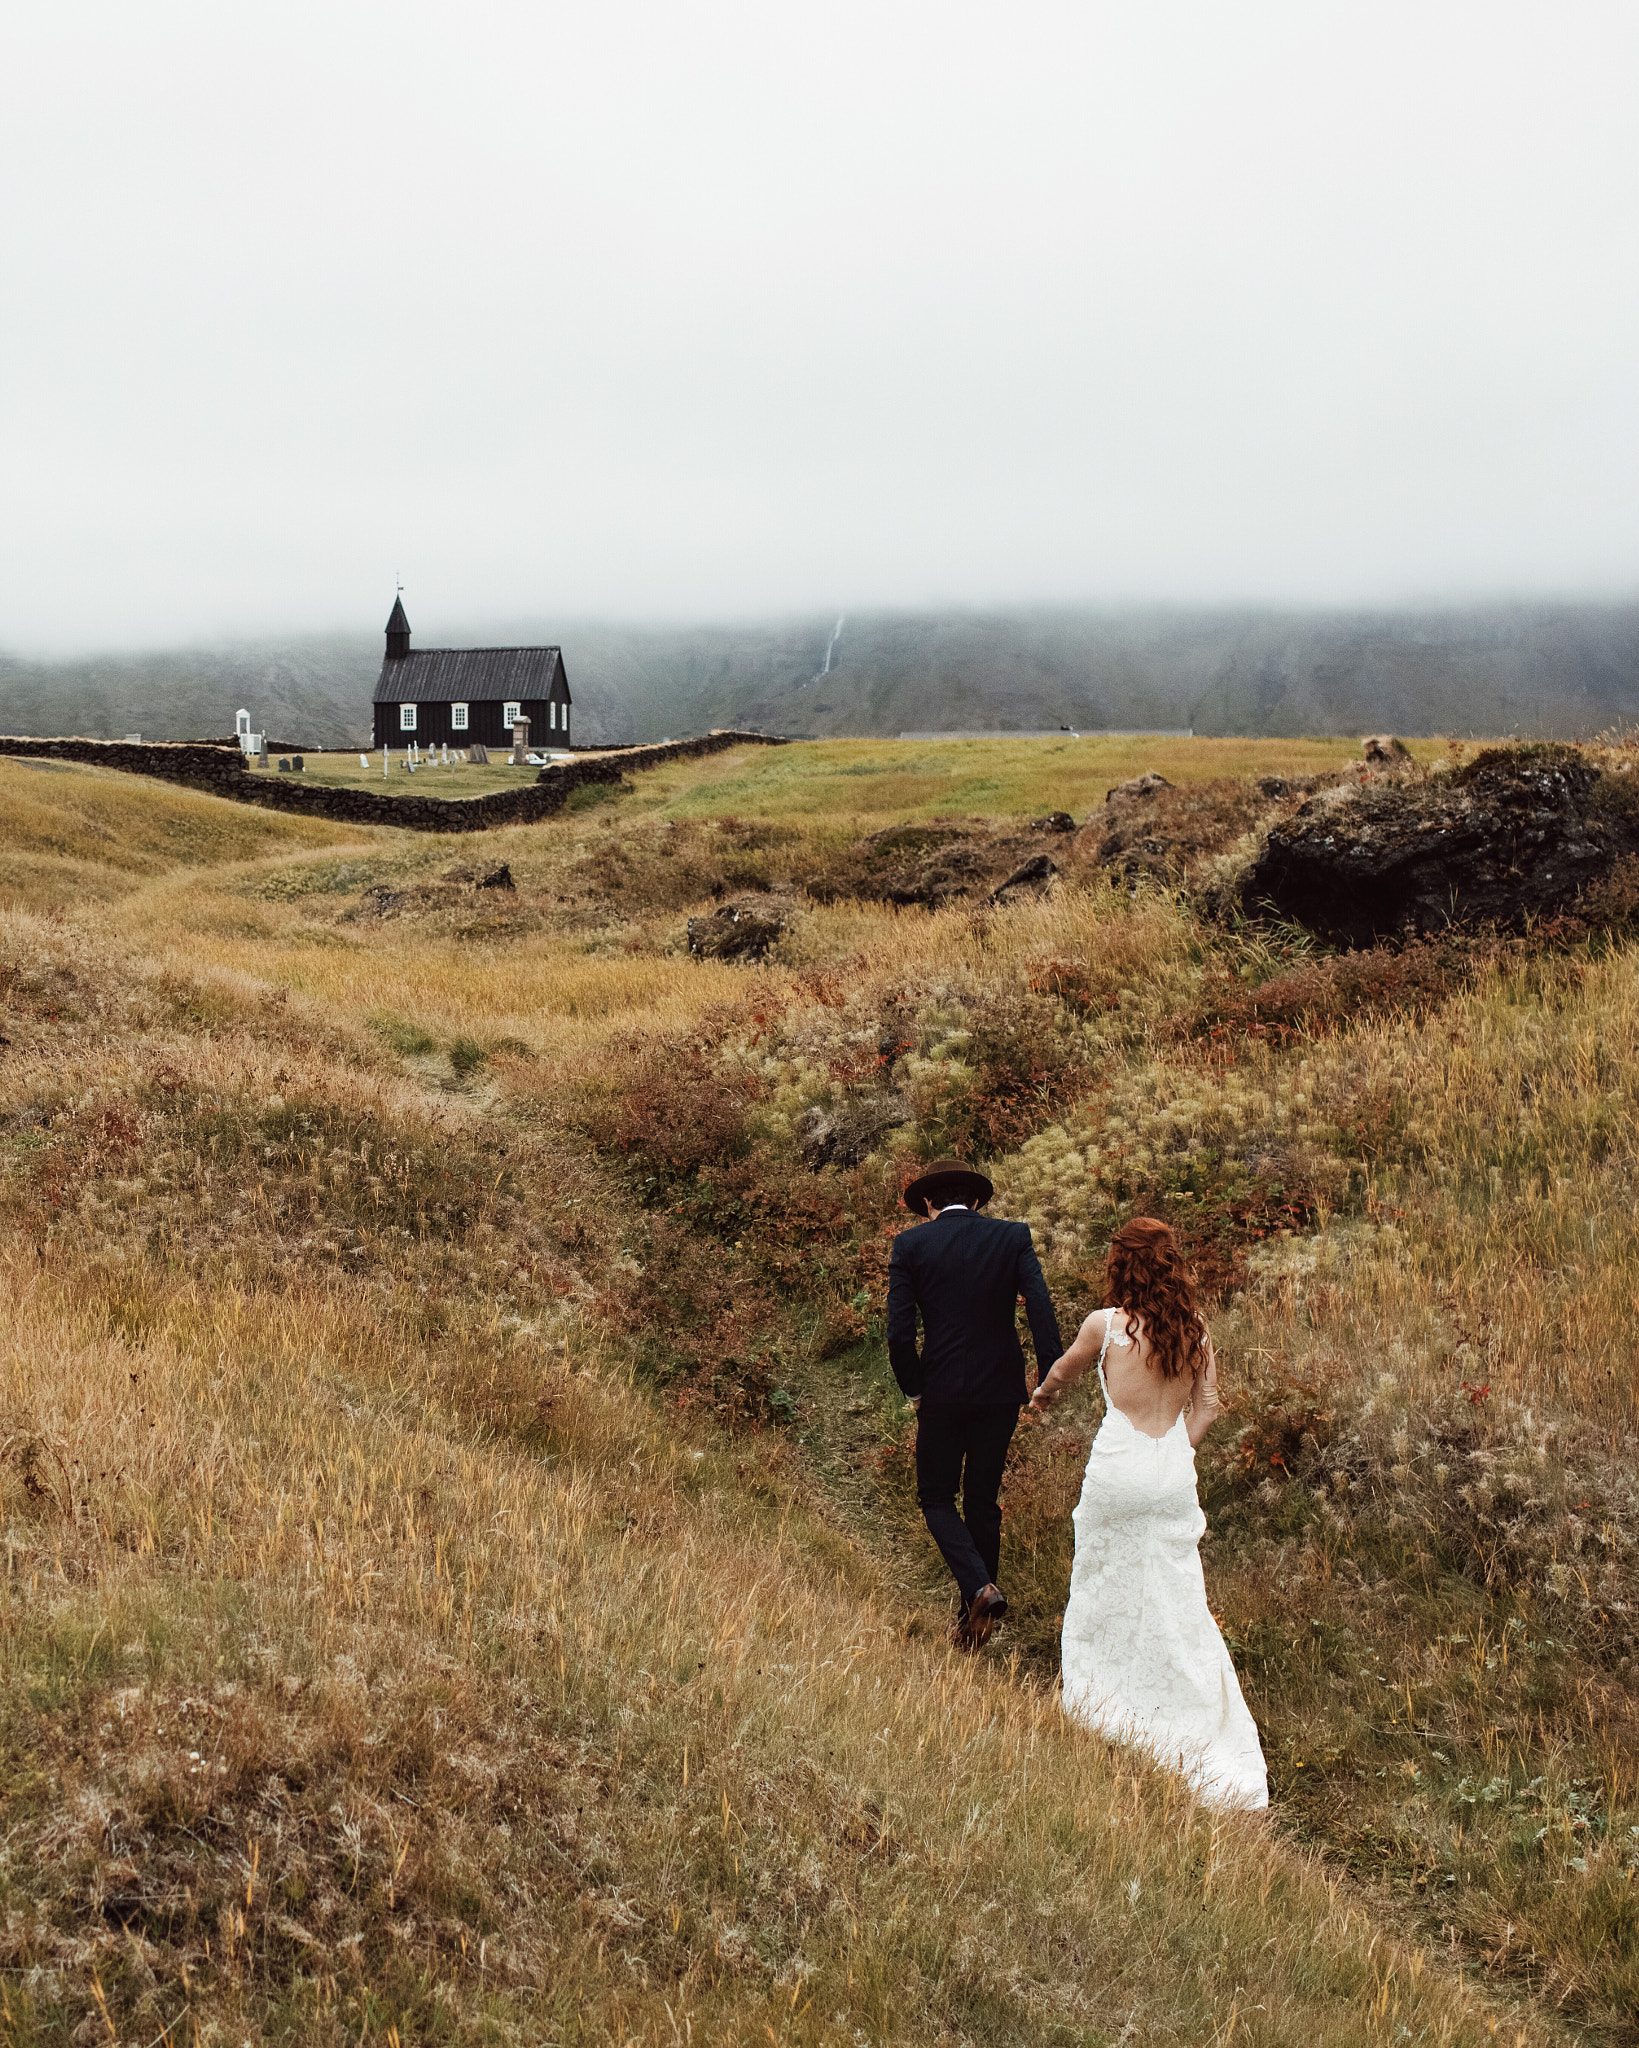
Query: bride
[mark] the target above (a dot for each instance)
(1143, 1659)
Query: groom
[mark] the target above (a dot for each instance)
(964, 1273)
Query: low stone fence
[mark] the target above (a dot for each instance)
(219, 767)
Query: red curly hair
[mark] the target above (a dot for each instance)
(1145, 1274)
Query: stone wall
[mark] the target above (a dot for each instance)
(219, 767)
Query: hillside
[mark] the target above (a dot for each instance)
(1567, 671)
(464, 1579)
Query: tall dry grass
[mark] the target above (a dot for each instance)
(441, 1688)
(362, 1608)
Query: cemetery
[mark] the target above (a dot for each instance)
(493, 796)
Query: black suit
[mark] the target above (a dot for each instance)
(965, 1272)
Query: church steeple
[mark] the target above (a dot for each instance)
(398, 632)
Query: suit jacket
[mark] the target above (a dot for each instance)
(965, 1272)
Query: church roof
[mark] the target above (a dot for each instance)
(473, 675)
(398, 623)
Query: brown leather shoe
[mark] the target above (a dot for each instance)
(989, 1605)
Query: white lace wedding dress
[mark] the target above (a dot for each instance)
(1143, 1659)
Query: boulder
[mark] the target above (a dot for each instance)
(1137, 789)
(741, 930)
(1518, 835)
(1055, 821)
(1384, 749)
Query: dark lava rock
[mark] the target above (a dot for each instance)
(498, 878)
(1055, 821)
(1035, 874)
(1385, 749)
(742, 930)
(1518, 834)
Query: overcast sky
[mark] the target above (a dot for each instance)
(679, 310)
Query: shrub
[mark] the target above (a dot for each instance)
(675, 1112)
(400, 1033)
(466, 1055)
(1338, 989)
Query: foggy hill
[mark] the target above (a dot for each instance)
(1560, 670)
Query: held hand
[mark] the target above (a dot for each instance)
(1047, 1392)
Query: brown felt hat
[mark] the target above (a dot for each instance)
(948, 1180)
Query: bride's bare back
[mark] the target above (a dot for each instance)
(1150, 1402)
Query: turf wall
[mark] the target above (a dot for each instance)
(219, 767)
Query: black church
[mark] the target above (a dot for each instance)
(454, 696)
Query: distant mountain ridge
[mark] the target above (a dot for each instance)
(1566, 671)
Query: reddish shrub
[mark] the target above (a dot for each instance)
(675, 1114)
(1340, 988)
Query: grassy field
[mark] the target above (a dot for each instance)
(871, 781)
(895, 779)
(463, 1573)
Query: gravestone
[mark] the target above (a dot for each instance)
(520, 743)
(478, 754)
(364, 760)
(297, 765)
(284, 765)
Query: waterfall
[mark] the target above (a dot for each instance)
(836, 635)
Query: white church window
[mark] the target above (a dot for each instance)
(458, 718)
(552, 715)
(406, 718)
(511, 714)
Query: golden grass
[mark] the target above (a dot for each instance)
(362, 1608)
(72, 812)
(410, 1720)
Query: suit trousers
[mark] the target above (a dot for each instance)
(973, 1435)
